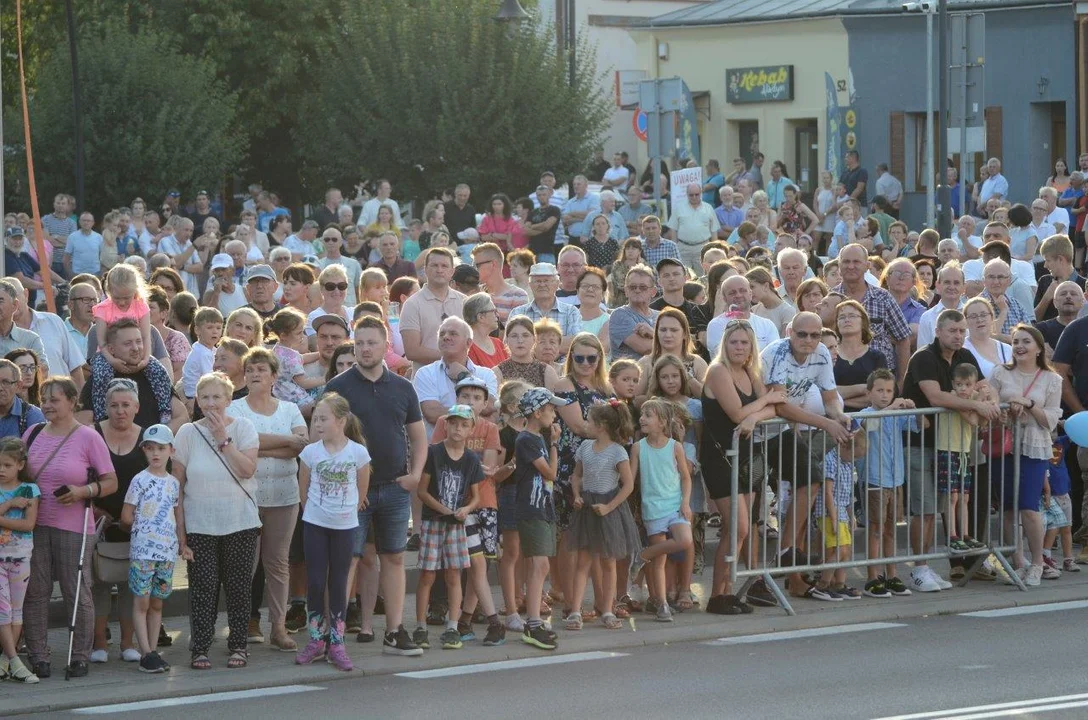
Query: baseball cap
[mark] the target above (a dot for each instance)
(543, 188)
(539, 269)
(14, 231)
(222, 260)
(669, 261)
(461, 411)
(465, 274)
(475, 382)
(260, 271)
(330, 318)
(159, 434)
(536, 398)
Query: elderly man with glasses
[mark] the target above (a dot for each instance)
(631, 327)
(544, 282)
(997, 277)
(692, 224)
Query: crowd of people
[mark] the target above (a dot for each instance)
(551, 385)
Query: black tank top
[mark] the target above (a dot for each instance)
(718, 427)
(126, 466)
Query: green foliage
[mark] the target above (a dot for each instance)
(441, 94)
(153, 119)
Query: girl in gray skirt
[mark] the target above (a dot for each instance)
(602, 526)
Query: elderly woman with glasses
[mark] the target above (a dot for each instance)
(981, 326)
(856, 360)
(482, 316)
(902, 280)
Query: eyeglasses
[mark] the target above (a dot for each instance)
(806, 335)
(586, 359)
(903, 274)
(591, 286)
(330, 287)
(849, 316)
(737, 322)
(978, 316)
(27, 369)
(481, 263)
(332, 239)
(638, 288)
(88, 300)
(8, 383)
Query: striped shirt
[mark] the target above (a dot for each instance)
(568, 316)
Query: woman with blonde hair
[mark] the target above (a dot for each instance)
(902, 280)
(672, 336)
(734, 399)
(246, 325)
(333, 285)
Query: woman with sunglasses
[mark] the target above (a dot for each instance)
(672, 336)
(333, 285)
(482, 316)
(856, 360)
(584, 383)
(734, 399)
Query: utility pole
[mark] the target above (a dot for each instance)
(944, 199)
(77, 111)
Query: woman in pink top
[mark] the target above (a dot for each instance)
(499, 224)
(63, 454)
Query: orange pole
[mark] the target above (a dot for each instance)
(50, 301)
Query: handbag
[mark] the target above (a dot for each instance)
(997, 441)
(110, 560)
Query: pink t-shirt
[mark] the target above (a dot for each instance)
(109, 313)
(84, 449)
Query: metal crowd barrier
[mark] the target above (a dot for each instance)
(777, 452)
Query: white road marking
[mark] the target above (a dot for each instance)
(811, 632)
(195, 699)
(509, 665)
(997, 710)
(1028, 609)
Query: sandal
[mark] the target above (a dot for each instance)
(684, 601)
(630, 603)
(238, 659)
(611, 621)
(591, 615)
(200, 662)
(573, 621)
(620, 611)
(553, 597)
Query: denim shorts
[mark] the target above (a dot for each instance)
(389, 507)
(661, 525)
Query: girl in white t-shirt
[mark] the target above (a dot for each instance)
(333, 478)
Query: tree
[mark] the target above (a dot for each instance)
(439, 93)
(153, 119)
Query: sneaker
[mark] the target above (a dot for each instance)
(254, 634)
(413, 543)
(941, 582)
(400, 643)
(1049, 562)
(540, 637)
(436, 615)
(314, 650)
(876, 589)
(826, 594)
(1033, 576)
(958, 547)
(714, 521)
(43, 669)
(1021, 573)
(353, 619)
(295, 619)
(957, 572)
(421, 638)
(973, 543)
(848, 593)
(1070, 565)
(19, 672)
(151, 664)
(78, 669)
(450, 639)
(896, 587)
(514, 622)
(99, 656)
(1051, 573)
(338, 657)
(496, 635)
(364, 637)
(921, 581)
(664, 614)
(466, 632)
(760, 595)
(131, 655)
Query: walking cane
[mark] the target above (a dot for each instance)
(75, 599)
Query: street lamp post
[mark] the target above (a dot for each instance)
(944, 219)
(929, 9)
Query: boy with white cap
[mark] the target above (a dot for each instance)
(151, 510)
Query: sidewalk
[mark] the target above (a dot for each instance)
(121, 682)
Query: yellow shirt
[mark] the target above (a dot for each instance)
(954, 433)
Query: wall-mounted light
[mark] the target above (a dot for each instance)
(511, 11)
(662, 51)
(1042, 84)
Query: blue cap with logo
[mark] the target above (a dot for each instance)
(536, 398)
(159, 434)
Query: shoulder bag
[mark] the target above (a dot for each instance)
(997, 440)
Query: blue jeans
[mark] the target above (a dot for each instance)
(389, 507)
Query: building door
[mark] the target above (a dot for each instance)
(807, 156)
(748, 140)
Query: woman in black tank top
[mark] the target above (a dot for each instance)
(734, 398)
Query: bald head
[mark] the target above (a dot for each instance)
(1068, 299)
(736, 291)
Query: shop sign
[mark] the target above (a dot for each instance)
(759, 84)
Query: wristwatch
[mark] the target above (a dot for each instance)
(223, 445)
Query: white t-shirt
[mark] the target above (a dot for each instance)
(171, 247)
(927, 324)
(332, 500)
(216, 503)
(1004, 355)
(1058, 216)
(298, 246)
(617, 177)
(199, 363)
(1021, 269)
(780, 367)
(277, 478)
(154, 527)
(231, 301)
(369, 213)
(766, 332)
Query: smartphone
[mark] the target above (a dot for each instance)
(62, 490)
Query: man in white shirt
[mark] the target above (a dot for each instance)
(1058, 217)
(301, 243)
(62, 355)
(890, 187)
(950, 287)
(369, 214)
(334, 243)
(224, 291)
(995, 186)
(616, 177)
(965, 236)
(692, 225)
(737, 293)
(436, 382)
(1023, 284)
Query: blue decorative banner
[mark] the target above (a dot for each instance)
(834, 130)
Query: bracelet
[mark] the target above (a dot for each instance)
(223, 445)
(1032, 405)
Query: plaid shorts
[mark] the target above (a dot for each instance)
(482, 529)
(1053, 515)
(955, 472)
(443, 546)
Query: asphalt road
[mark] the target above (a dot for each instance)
(930, 668)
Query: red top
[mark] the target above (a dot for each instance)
(477, 355)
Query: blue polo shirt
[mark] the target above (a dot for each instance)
(586, 204)
(19, 418)
(884, 465)
(711, 196)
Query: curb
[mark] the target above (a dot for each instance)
(643, 634)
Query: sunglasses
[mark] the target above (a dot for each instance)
(329, 286)
(586, 359)
(806, 335)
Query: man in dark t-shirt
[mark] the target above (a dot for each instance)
(855, 178)
(543, 224)
(1067, 301)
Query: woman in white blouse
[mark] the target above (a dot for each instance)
(282, 434)
(1033, 391)
(988, 352)
(214, 462)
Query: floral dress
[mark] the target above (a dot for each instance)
(568, 446)
(790, 219)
